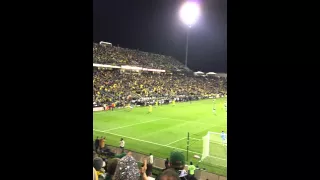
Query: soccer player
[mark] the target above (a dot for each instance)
(214, 110)
(129, 107)
(223, 138)
(157, 103)
(173, 102)
(214, 102)
(113, 106)
(150, 109)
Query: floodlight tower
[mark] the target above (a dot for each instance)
(189, 14)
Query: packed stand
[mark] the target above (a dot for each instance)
(113, 85)
(111, 55)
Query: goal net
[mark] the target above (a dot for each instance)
(214, 149)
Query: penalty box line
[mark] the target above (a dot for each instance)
(214, 142)
(176, 141)
(152, 143)
(195, 122)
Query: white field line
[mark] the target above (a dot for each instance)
(165, 129)
(195, 122)
(176, 141)
(215, 142)
(153, 143)
(186, 122)
(133, 124)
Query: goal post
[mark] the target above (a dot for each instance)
(206, 144)
(213, 145)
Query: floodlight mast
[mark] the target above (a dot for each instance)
(189, 13)
(187, 46)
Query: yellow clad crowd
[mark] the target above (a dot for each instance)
(115, 85)
(122, 56)
(112, 85)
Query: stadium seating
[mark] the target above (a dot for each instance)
(116, 85)
(112, 85)
(123, 56)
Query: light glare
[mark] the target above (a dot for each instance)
(189, 13)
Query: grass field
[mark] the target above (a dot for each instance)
(166, 129)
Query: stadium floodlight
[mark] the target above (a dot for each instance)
(189, 14)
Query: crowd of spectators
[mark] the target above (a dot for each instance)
(117, 86)
(112, 55)
(113, 85)
(125, 167)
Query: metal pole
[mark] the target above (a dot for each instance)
(187, 146)
(187, 44)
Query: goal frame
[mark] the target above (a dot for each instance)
(206, 144)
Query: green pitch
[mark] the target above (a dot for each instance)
(166, 129)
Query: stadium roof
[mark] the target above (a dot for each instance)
(211, 73)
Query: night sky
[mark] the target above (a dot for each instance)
(154, 26)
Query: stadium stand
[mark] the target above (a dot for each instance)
(114, 86)
(111, 85)
(123, 56)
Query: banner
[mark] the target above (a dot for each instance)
(98, 109)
